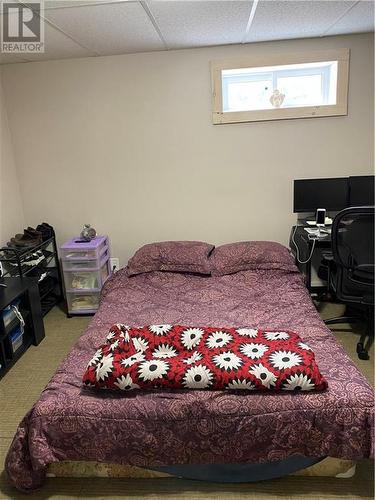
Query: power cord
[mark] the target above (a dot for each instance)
(20, 317)
(297, 249)
(1, 274)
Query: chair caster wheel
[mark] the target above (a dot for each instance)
(362, 353)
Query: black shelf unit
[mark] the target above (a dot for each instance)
(26, 292)
(44, 269)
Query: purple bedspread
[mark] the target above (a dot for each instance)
(180, 427)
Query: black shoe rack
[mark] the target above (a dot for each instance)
(41, 263)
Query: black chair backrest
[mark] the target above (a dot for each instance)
(353, 242)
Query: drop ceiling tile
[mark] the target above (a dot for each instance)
(284, 19)
(57, 4)
(108, 29)
(360, 19)
(201, 23)
(9, 58)
(58, 46)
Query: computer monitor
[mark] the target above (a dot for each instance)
(310, 194)
(361, 190)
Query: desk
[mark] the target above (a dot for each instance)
(310, 269)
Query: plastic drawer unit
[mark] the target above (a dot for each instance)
(16, 339)
(86, 267)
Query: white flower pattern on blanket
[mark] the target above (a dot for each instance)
(219, 357)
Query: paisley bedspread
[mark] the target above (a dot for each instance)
(179, 427)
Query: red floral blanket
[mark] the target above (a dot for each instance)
(185, 357)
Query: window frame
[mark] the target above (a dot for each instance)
(342, 57)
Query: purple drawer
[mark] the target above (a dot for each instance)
(74, 249)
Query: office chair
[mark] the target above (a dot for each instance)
(351, 270)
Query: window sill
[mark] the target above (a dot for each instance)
(278, 114)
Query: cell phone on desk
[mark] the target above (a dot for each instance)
(320, 217)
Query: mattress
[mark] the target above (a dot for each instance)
(160, 428)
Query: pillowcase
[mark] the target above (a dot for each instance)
(173, 256)
(190, 357)
(245, 255)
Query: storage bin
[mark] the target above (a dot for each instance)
(9, 313)
(84, 264)
(105, 271)
(82, 280)
(16, 339)
(75, 249)
(82, 302)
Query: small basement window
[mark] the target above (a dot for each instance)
(253, 92)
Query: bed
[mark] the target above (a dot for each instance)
(71, 428)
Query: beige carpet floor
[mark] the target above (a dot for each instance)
(20, 388)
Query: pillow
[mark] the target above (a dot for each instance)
(245, 255)
(174, 256)
(189, 357)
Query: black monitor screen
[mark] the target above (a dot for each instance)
(310, 194)
(361, 190)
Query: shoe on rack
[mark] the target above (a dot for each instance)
(32, 233)
(46, 230)
(50, 229)
(34, 259)
(23, 243)
(26, 236)
(37, 272)
(29, 233)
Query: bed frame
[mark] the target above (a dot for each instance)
(327, 467)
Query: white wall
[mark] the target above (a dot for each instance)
(11, 208)
(127, 144)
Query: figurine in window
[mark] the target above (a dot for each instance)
(277, 98)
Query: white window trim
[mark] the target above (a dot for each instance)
(338, 109)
